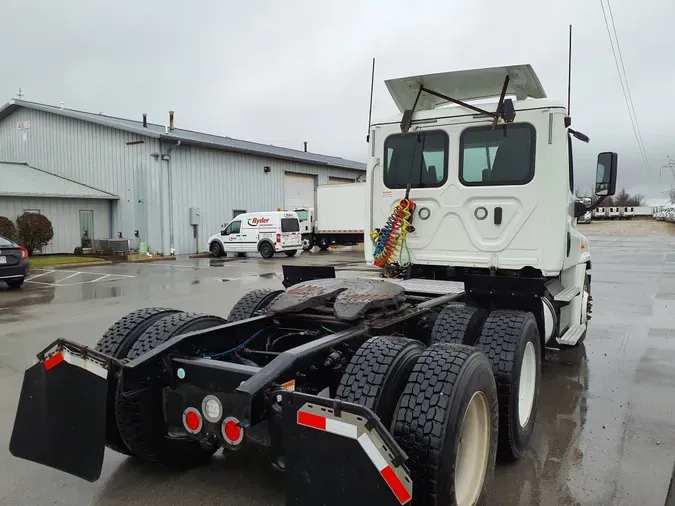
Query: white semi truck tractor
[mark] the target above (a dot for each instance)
(387, 390)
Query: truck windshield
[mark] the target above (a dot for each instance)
(302, 215)
(420, 158)
(290, 225)
(504, 156)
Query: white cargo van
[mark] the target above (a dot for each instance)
(264, 233)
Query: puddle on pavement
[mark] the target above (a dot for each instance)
(254, 277)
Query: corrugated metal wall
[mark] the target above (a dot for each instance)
(215, 181)
(93, 155)
(64, 215)
(218, 182)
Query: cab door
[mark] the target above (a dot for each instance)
(231, 237)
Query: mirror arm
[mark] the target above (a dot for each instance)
(597, 203)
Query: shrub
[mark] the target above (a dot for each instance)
(108, 251)
(78, 251)
(34, 231)
(7, 228)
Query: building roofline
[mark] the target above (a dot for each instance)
(187, 137)
(107, 196)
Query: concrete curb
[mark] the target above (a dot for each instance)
(70, 266)
(200, 255)
(149, 260)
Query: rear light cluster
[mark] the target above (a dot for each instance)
(212, 411)
(24, 253)
(279, 238)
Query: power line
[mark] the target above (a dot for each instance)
(626, 91)
(625, 77)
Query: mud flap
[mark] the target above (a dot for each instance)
(339, 453)
(60, 421)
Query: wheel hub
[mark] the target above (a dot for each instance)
(527, 384)
(473, 451)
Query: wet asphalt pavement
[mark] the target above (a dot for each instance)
(605, 431)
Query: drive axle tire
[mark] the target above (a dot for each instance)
(447, 423)
(140, 415)
(116, 342)
(458, 324)
(378, 372)
(253, 301)
(510, 339)
(324, 243)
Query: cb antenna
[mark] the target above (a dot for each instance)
(569, 75)
(370, 108)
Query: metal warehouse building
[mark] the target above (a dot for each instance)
(165, 186)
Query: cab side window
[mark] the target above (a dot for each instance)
(233, 228)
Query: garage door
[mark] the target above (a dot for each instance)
(298, 190)
(339, 180)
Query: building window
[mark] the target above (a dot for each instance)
(504, 156)
(419, 158)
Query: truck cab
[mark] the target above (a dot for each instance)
(489, 195)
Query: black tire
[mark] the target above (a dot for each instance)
(458, 324)
(324, 243)
(504, 338)
(247, 306)
(14, 283)
(431, 415)
(378, 372)
(307, 242)
(266, 250)
(140, 417)
(116, 342)
(216, 249)
(291, 253)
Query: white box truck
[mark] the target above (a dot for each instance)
(339, 217)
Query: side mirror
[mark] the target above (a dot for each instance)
(223, 232)
(605, 174)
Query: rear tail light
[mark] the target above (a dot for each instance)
(232, 432)
(278, 237)
(24, 253)
(192, 420)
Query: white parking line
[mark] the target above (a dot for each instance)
(33, 277)
(72, 274)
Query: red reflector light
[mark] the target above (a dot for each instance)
(53, 361)
(232, 432)
(192, 420)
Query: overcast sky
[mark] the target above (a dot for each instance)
(281, 72)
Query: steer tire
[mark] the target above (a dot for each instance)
(252, 302)
(505, 338)
(458, 324)
(116, 342)
(378, 372)
(140, 415)
(445, 382)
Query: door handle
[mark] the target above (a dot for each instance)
(498, 215)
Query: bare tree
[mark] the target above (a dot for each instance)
(671, 195)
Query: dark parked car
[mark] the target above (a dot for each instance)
(13, 263)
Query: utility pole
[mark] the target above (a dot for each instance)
(20, 94)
